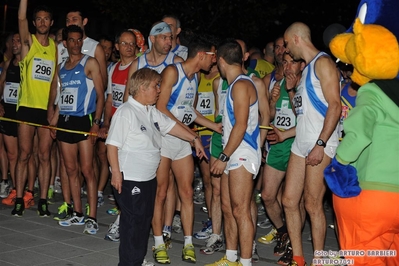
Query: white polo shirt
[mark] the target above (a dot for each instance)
(136, 131)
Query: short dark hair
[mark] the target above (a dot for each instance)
(42, 8)
(199, 44)
(106, 37)
(70, 28)
(230, 50)
(81, 12)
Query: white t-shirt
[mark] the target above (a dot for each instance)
(136, 131)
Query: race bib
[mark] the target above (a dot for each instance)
(284, 118)
(206, 103)
(186, 114)
(68, 99)
(297, 102)
(42, 69)
(118, 91)
(10, 94)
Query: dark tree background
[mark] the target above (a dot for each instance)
(255, 21)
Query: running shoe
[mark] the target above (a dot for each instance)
(287, 256)
(147, 263)
(111, 197)
(212, 244)
(199, 197)
(160, 254)
(205, 232)
(167, 239)
(4, 189)
(224, 262)
(294, 263)
(91, 227)
(255, 255)
(64, 212)
(29, 199)
(57, 185)
(204, 209)
(113, 233)
(269, 238)
(100, 201)
(73, 220)
(282, 241)
(188, 253)
(264, 224)
(10, 200)
(42, 209)
(113, 211)
(19, 208)
(176, 225)
(261, 210)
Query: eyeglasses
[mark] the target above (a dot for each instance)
(133, 44)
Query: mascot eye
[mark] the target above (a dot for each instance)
(363, 13)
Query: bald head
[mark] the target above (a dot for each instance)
(298, 29)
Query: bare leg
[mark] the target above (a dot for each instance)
(241, 187)
(229, 222)
(206, 179)
(103, 165)
(171, 200)
(272, 179)
(44, 151)
(183, 170)
(162, 187)
(3, 159)
(294, 184)
(11, 144)
(216, 208)
(25, 148)
(87, 168)
(313, 197)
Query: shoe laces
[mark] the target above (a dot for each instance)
(63, 208)
(113, 228)
(212, 240)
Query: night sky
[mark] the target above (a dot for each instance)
(317, 17)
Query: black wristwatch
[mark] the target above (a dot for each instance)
(97, 121)
(223, 157)
(320, 142)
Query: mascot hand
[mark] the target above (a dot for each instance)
(342, 179)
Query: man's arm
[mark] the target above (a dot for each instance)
(241, 90)
(92, 70)
(132, 69)
(54, 87)
(329, 80)
(264, 110)
(100, 56)
(2, 83)
(23, 28)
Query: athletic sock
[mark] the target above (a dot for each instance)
(158, 241)
(188, 240)
(231, 255)
(282, 229)
(246, 262)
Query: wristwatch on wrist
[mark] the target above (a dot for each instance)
(223, 157)
(320, 142)
(97, 121)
